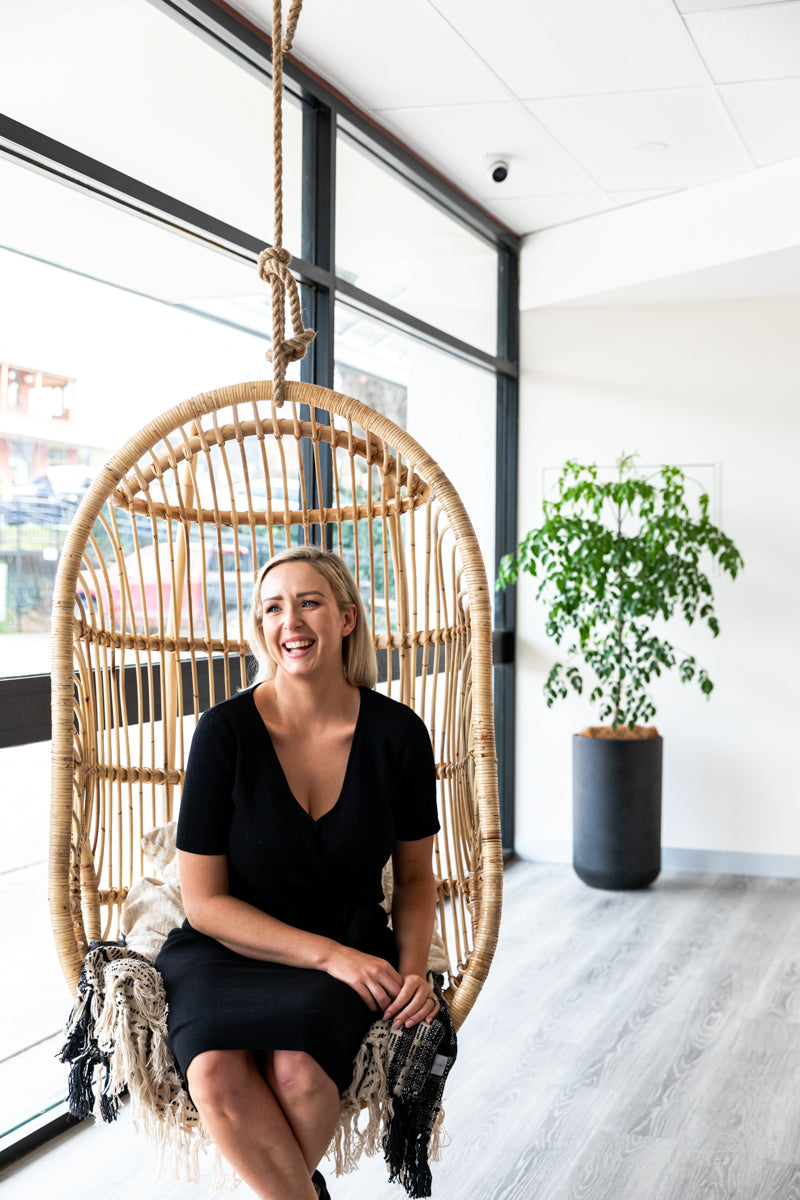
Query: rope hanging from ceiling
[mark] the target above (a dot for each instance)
(274, 261)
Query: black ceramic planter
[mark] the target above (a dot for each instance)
(616, 806)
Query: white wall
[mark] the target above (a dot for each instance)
(711, 382)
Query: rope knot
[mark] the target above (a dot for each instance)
(294, 348)
(274, 260)
(273, 268)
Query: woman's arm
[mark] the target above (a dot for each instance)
(413, 912)
(255, 934)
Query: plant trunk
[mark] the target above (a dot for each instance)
(620, 626)
(620, 674)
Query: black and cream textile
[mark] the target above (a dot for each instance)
(116, 1038)
(399, 1077)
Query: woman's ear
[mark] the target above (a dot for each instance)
(350, 615)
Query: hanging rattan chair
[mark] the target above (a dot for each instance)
(149, 619)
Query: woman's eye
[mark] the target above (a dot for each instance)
(310, 603)
(271, 608)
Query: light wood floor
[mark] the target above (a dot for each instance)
(639, 1046)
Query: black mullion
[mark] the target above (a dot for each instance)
(505, 538)
(317, 244)
(24, 710)
(325, 206)
(505, 606)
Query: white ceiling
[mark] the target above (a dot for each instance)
(595, 104)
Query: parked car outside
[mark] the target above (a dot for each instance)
(34, 506)
(149, 573)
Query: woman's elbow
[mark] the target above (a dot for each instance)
(199, 912)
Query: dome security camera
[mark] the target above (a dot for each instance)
(498, 171)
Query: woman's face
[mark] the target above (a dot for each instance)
(303, 625)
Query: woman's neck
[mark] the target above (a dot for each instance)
(304, 702)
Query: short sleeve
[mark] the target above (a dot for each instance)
(206, 803)
(415, 814)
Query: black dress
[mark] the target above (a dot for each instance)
(323, 876)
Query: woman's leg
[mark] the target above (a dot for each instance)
(248, 1126)
(308, 1097)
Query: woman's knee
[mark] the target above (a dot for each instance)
(218, 1078)
(293, 1073)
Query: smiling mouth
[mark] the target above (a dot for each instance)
(297, 645)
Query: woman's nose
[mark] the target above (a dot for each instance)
(293, 618)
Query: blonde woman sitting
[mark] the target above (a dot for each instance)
(297, 791)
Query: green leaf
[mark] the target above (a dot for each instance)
(613, 559)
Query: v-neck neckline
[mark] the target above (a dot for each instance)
(279, 764)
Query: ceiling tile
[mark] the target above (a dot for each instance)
(534, 213)
(635, 196)
(578, 47)
(647, 141)
(388, 55)
(463, 140)
(766, 114)
(691, 6)
(761, 42)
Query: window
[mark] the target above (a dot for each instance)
(448, 405)
(132, 88)
(123, 357)
(395, 243)
(135, 170)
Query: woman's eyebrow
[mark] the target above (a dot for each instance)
(269, 599)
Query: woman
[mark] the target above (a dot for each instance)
(297, 790)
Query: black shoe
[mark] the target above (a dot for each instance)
(319, 1183)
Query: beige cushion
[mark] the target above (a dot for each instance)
(154, 906)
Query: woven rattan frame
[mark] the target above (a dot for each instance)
(147, 615)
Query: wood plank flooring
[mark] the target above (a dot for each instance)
(627, 1046)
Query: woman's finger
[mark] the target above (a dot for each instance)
(366, 996)
(381, 996)
(403, 998)
(421, 1007)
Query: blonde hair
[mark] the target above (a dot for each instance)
(358, 650)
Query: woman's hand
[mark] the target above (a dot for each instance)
(413, 1003)
(375, 979)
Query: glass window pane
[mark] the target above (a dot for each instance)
(32, 1014)
(134, 88)
(394, 243)
(446, 404)
(85, 363)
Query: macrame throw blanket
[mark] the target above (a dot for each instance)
(116, 1037)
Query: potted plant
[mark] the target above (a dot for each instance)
(615, 559)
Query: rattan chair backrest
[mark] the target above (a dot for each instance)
(149, 627)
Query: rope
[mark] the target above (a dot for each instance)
(273, 262)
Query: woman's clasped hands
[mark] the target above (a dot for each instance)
(403, 1000)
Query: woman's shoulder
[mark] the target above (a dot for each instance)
(229, 711)
(391, 713)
